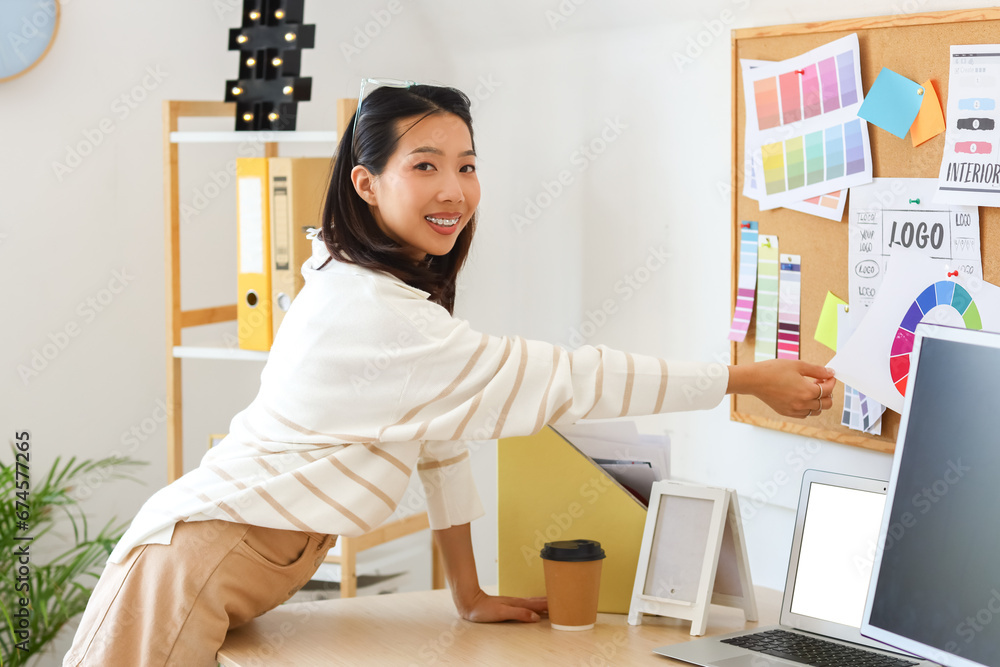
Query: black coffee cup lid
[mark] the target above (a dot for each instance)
(573, 551)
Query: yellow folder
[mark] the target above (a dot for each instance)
(253, 306)
(297, 190)
(549, 491)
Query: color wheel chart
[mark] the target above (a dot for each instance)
(941, 293)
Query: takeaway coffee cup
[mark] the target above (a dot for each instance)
(572, 582)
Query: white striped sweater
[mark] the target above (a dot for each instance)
(367, 380)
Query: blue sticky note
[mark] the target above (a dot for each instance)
(892, 103)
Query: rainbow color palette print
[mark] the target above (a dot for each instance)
(802, 131)
(829, 205)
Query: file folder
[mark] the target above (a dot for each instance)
(548, 490)
(297, 191)
(253, 305)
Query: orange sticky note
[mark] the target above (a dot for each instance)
(930, 119)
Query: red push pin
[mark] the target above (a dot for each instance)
(953, 274)
(744, 225)
(800, 71)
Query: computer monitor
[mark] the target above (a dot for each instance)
(935, 586)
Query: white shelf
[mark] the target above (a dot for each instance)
(191, 352)
(233, 137)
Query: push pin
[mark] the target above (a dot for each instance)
(920, 90)
(744, 225)
(915, 201)
(953, 274)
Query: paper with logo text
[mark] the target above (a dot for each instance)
(898, 214)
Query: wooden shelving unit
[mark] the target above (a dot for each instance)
(179, 319)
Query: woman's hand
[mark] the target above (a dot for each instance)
(472, 603)
(483, 608)
(791, 388)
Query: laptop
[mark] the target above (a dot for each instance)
(833, 549)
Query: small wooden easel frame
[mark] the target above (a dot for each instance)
(693, 553)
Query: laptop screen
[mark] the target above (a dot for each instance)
(938, 581)
(836, 553)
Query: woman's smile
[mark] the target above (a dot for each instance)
(444, 223)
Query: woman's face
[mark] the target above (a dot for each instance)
(429, 189)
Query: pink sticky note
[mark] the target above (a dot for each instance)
(930, 119)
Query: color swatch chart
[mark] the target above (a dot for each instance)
(789, 306)
(858, 413)
(861, 412)
(830, 200)
(746, 286)
(766, 333)
(941, 293)
(817, 157)
(803, 137)
(803, 93)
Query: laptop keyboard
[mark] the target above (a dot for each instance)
(812, 651)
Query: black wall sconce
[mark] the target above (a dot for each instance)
(270, 41)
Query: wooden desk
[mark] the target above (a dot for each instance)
(423, 628)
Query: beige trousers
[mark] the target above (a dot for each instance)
(171, 605)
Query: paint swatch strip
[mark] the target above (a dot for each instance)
(746, 285)
(849, 417)
(813, 158)
(861, 413)
(767, 298)
(830, 200)
(817, 89)
(789, 305)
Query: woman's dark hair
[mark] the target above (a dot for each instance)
(349, 228)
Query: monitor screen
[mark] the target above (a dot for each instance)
(937, 582)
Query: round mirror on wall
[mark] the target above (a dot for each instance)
(27, 31)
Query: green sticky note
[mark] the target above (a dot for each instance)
(826, 328)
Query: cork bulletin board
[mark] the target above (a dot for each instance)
(917, 46)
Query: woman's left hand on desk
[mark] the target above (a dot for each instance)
(485, 608)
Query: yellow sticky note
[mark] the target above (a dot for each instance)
(826, 328)
(930, 119)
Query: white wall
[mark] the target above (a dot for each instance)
(547, 77)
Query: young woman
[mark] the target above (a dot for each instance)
(369, 378)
